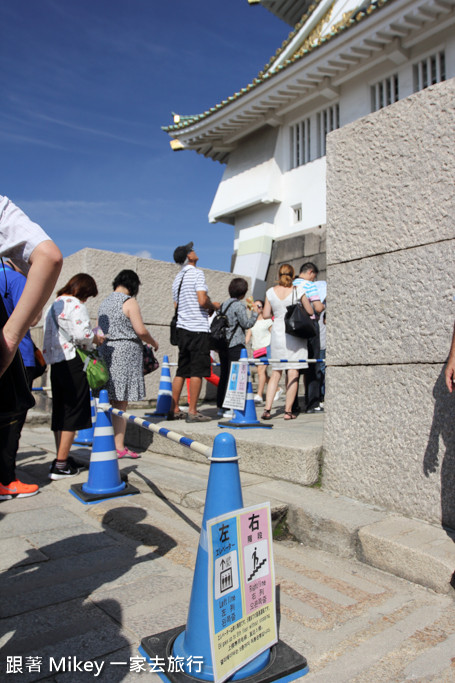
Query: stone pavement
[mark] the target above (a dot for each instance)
(91, 581)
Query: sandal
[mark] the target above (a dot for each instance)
(266, 415)
(178, 415)
(289, 415)
(126, 453)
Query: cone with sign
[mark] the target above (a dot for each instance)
(246, 418)
(84, 437)
(104, 479)
(163, 402)
(190, 644)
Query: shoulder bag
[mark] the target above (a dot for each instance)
(297, 321)
(94, 366)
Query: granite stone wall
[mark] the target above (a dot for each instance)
(297, 250)
(154, 298)
(390, 422)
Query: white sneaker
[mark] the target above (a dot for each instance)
(278, 394)
(228, 414)
(258, 399)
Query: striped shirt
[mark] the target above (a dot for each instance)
(309, 288)
(190, 315)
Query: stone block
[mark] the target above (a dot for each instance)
(294, 460)
(413, 550)
(324, 521)
(389, 439)
(392, 308)
(390, 177)
(312, 245)
(288, 249)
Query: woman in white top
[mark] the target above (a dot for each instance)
(284, 346)
(67, 326)
(259, 335)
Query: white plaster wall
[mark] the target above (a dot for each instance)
(305, 185)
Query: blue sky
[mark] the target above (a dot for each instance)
(86, 86)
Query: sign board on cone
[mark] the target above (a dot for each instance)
(242, 609)
(236, 389)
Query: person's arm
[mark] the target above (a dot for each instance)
(318, 306)
(248, 336)
(46, 262)
(450, 367)
(206, 302)
(267, 310)
(306, 304)
(133, 312)
(245, 321)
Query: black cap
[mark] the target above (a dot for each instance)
(181, 253)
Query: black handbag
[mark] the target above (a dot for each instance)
(150, 363)
(173, 326)
(173, 330)
(15, 395)
(297, 322)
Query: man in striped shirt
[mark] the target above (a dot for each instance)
(313, 376)
(189, 292)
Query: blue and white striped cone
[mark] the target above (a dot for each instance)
(85, 436)
(281, 662)
(104, 480)
(224, 494)
(163, 402)
(246, 418)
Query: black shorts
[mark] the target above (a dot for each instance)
(194, 354)
(71, 408)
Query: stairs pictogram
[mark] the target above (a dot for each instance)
(255, 571)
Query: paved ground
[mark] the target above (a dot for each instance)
(91, 581)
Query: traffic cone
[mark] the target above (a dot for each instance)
(104, 480)
(85, 436)
(246, 418)
(163, 402)
(224, 495)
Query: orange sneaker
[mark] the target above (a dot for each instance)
(17, 489)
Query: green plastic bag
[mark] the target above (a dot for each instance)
(95, 368)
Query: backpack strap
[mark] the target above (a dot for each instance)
(178, 293)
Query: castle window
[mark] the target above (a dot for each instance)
(327, 120)
(300, 143)
(384, 93)
(429, 71)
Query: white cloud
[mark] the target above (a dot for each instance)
(144, 253)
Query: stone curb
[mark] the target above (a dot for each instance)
(408, 548)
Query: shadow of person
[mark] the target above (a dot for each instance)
(65, 599)
(442, 437)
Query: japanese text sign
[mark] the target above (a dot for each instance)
(242, 610)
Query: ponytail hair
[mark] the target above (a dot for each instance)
(286, 275)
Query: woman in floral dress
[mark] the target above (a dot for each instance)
(67, 326)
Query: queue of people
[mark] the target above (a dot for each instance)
(119, 335)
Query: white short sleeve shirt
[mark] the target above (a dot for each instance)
(18, 234)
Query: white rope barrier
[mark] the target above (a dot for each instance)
(260, 361)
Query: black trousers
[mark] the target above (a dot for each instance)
(227, 356)
(313, 376)
(10, 433)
